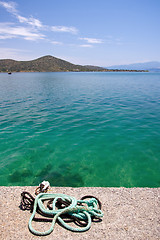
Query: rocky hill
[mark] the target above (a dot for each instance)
(44, 64)
(52, 64)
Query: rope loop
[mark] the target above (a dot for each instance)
(60, 204)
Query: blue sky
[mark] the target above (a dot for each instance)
(103, 33)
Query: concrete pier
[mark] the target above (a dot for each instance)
(129, 213)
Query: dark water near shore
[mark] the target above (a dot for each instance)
(80, 129)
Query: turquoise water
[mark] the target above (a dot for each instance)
(80, 129)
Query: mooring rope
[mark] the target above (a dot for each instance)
(83, 210)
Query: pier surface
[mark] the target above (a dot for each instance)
(129, 213)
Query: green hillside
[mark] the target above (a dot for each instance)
(51, 64)
(43, 64)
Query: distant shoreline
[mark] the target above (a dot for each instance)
(113, 70)
(52, 64)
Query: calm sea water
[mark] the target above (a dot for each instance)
(80, 129)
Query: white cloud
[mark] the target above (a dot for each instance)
(86, 45)
(2, 37)
(22, 19)
(31, 21)
(8, 30)
(72, 30)
(29, 28)
(92, 40)
(35, 22)
(56, 42)
(9, 6)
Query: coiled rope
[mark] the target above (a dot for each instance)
(83, 210)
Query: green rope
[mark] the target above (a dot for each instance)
(80, 211)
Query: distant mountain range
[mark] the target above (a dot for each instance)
(150, 66)
(48, 64)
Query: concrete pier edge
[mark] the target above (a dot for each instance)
(129, 213)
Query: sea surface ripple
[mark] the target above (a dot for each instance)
(80, 129)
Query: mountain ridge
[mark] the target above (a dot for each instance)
(152, 65)
(49, 63)
(46, 63)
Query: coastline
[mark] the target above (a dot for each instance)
(67, 71)
(52, 64)
(129, 213)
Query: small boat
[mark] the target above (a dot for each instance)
(9, 73)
